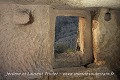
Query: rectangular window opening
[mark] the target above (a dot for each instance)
(66, 45)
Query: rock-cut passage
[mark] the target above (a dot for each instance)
(66, 35)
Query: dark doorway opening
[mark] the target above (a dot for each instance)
(66, 41)
(66, 32)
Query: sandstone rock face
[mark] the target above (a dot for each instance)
(69, 4)
(24, 48)
(67, 60)
(106, 39)
(27, 36)
(21, 17)
(87, 56)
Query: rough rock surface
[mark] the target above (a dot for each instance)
(70, 4)
(21, 17)
(81, 73)
(67, 60)
(106, 40)
(29, 47)
(21, 46)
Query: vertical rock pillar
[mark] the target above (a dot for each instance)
(85, 40)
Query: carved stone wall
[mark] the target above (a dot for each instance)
(25, 44)
(106, 39)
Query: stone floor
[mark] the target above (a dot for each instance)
(68, 67)
(67, 60)
(81, 73)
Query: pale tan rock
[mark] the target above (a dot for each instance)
(80, 73)
(106, 37)
(24, 48)
(21, 17)
(29, 48)
(69, 4)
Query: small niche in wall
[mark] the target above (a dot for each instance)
(23, 17)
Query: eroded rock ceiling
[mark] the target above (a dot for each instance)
(70, 3)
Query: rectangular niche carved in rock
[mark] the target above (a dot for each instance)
(67, 40)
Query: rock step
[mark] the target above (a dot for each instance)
(81, 73)
(67, 60)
